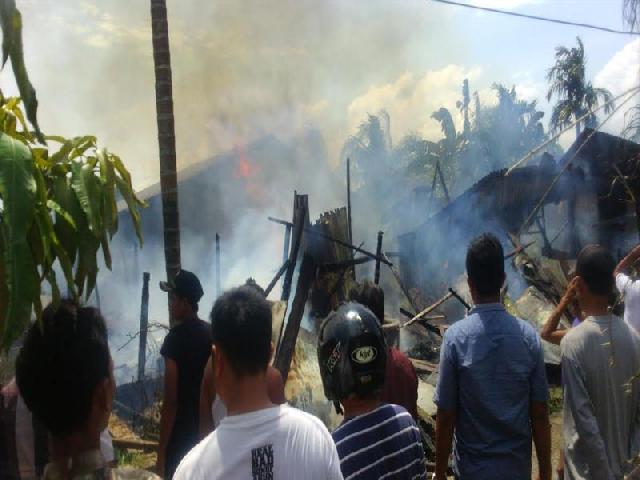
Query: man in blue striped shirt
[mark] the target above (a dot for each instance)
(376, 440)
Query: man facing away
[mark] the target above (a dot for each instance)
(492, 389)
(186, 349)
(629, 288)
(65, 375)
(257, 440)
(376, 440)
(600, 357)
(401, 381)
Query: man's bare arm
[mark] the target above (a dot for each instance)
(550, 331)
(168, 412)
(445, 424)
(541, 431)
(628, 261)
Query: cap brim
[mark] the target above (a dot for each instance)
(166, 287)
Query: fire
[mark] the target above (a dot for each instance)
(244, 168)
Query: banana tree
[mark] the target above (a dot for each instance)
(58, 201)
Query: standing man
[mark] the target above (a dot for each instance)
(186, 349)
(400, 381)
(377, 439)
(629, 288)
(492, 389)
(257, 440)
(600, 357)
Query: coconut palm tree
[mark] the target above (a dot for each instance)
(631, 13)
(166, 136)
(575, 95)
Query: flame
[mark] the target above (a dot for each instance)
(244, 168)
(247, 172)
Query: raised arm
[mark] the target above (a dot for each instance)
(628, 261)
(550, 331)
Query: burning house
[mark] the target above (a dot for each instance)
(546, 211)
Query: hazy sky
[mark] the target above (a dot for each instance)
(243, 68)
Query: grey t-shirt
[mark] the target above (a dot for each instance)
(601, 402)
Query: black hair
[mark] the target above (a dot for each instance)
(371, 296)
(485, 264)
(62, 361)
(251, 282)
(241, 328)
(595, 266)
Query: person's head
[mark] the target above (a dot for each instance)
(65, 373)
(241, 331)
(485, 268)
(185, 291)
(371, 296)
(594, 270)
(352, 354)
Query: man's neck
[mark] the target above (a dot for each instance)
(249, 394)
(359, 406)
(594, 306)
(74, 444)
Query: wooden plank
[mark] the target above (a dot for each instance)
(144, 445)
(287, 345)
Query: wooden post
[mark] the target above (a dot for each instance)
(299, 220)
(287, 345)
(144, 325)
(218, 281)
(349, 225)
(287, 243)
(378, 254)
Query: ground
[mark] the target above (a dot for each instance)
(556, 444)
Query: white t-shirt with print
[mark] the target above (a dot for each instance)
(630, 291)
(275, 443)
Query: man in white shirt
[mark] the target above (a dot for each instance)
(629, 288)
(600, 358)
(257, 440)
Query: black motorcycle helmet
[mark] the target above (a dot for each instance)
(352, 353)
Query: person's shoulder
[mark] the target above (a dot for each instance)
(196, 461)
(460, 327)
(391, 410)
(296, 417)
(574, 338)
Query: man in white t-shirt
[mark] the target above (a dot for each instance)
(257, 440)
(629, 288)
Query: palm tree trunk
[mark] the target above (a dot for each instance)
(166, 136)
(577, 130)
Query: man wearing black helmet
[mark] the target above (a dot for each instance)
(186, 349)
(376, 440)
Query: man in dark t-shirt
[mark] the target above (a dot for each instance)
(186, 349)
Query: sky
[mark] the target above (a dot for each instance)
(246, 68)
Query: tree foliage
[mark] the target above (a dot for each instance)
(58, 201)
(631, 13)
(575, 95)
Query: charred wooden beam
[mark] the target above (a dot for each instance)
(311, 231)
(144, 445)
(429, 309)
(299, 217)
(218, 281)
(376, 278)
(144, 326)
(277, 276)
(459, 298)
(403, 287)
(518, 250)
(287, 345)
(287, 243)
(345, 264)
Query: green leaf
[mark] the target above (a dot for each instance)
(11, 22)
(18, 192)
(108, 179)
(132, 203)
(51, 205)
(87, 189)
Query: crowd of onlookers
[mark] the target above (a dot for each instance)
(224, 412)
